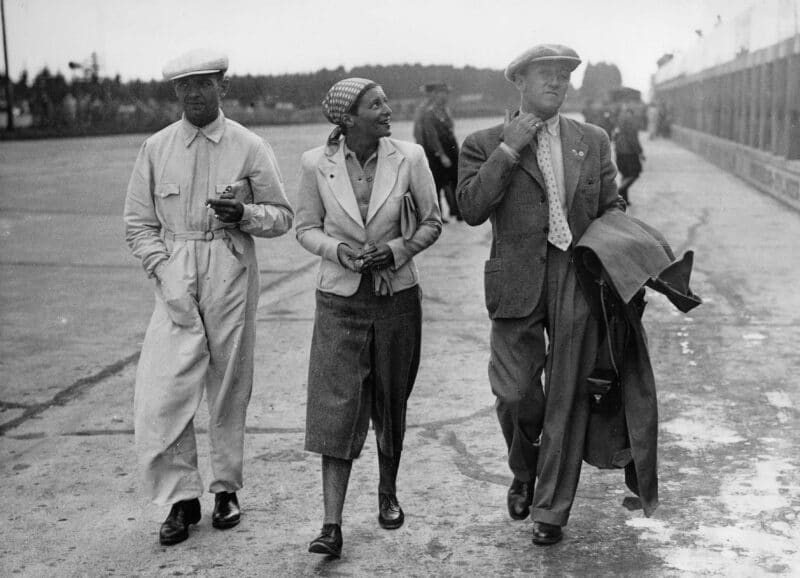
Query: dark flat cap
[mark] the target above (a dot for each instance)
(543, 53)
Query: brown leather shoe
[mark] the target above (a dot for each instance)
(328, 542)
(520, 497)
(390, 514)
(226, 510)
(175, 528)
(545, 534)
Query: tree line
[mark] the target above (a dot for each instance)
(53, 104)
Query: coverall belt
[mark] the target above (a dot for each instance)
(220, 233)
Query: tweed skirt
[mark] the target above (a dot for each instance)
(365, 353)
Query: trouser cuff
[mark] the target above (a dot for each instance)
(177, 497)
(218, 486)
(550, 517)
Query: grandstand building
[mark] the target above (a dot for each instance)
(734, 98)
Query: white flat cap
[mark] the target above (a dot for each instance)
(200, 61)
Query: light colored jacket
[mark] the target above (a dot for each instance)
(328, 214)
(171, 183)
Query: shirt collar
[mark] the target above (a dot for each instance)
(345, 150)
(212, 131)
(349, 153)
(551, 125)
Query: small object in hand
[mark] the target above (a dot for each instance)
(358, 263)
(226, 194)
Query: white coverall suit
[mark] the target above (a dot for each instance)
(202, 332)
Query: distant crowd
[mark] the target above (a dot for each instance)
(655, 118)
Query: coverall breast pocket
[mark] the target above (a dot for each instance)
(239, 190)
(167, 200)
(165, 190)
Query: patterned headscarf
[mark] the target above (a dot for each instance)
(340, 100)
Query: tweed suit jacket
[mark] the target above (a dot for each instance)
(328, 213)
(512, 195)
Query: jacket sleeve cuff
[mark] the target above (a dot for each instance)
(330, 249)
(153, 266)
(399, 251)
(509, 151)
(247, 213)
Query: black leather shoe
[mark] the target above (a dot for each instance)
(328, 542)
(390, 514)
(175, 528)
(520, 497)
(226, 510)
(545, 534)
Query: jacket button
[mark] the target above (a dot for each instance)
(545, 230)
(542, 260)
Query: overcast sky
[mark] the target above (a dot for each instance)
(135, 37)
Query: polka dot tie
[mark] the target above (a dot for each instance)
(559, 233)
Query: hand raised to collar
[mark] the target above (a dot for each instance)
(519, 131)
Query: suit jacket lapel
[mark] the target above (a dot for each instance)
(389, 159)
(335, 172)
(528, 163)
(573, 151)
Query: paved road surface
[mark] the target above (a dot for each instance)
(726, 377)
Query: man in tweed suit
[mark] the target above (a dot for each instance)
(540, 178)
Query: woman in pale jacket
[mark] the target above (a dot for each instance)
(366, 205)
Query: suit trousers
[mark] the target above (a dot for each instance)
(545, 427)
(201, 336)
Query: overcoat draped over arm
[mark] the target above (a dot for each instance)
(631, 255)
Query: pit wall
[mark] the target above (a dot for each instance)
(773, 175)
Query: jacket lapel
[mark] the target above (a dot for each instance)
(573, 150)
(389, 159)
(333, 168)
(528, 163)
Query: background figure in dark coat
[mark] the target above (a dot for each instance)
(433, 129)
(628, 151)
